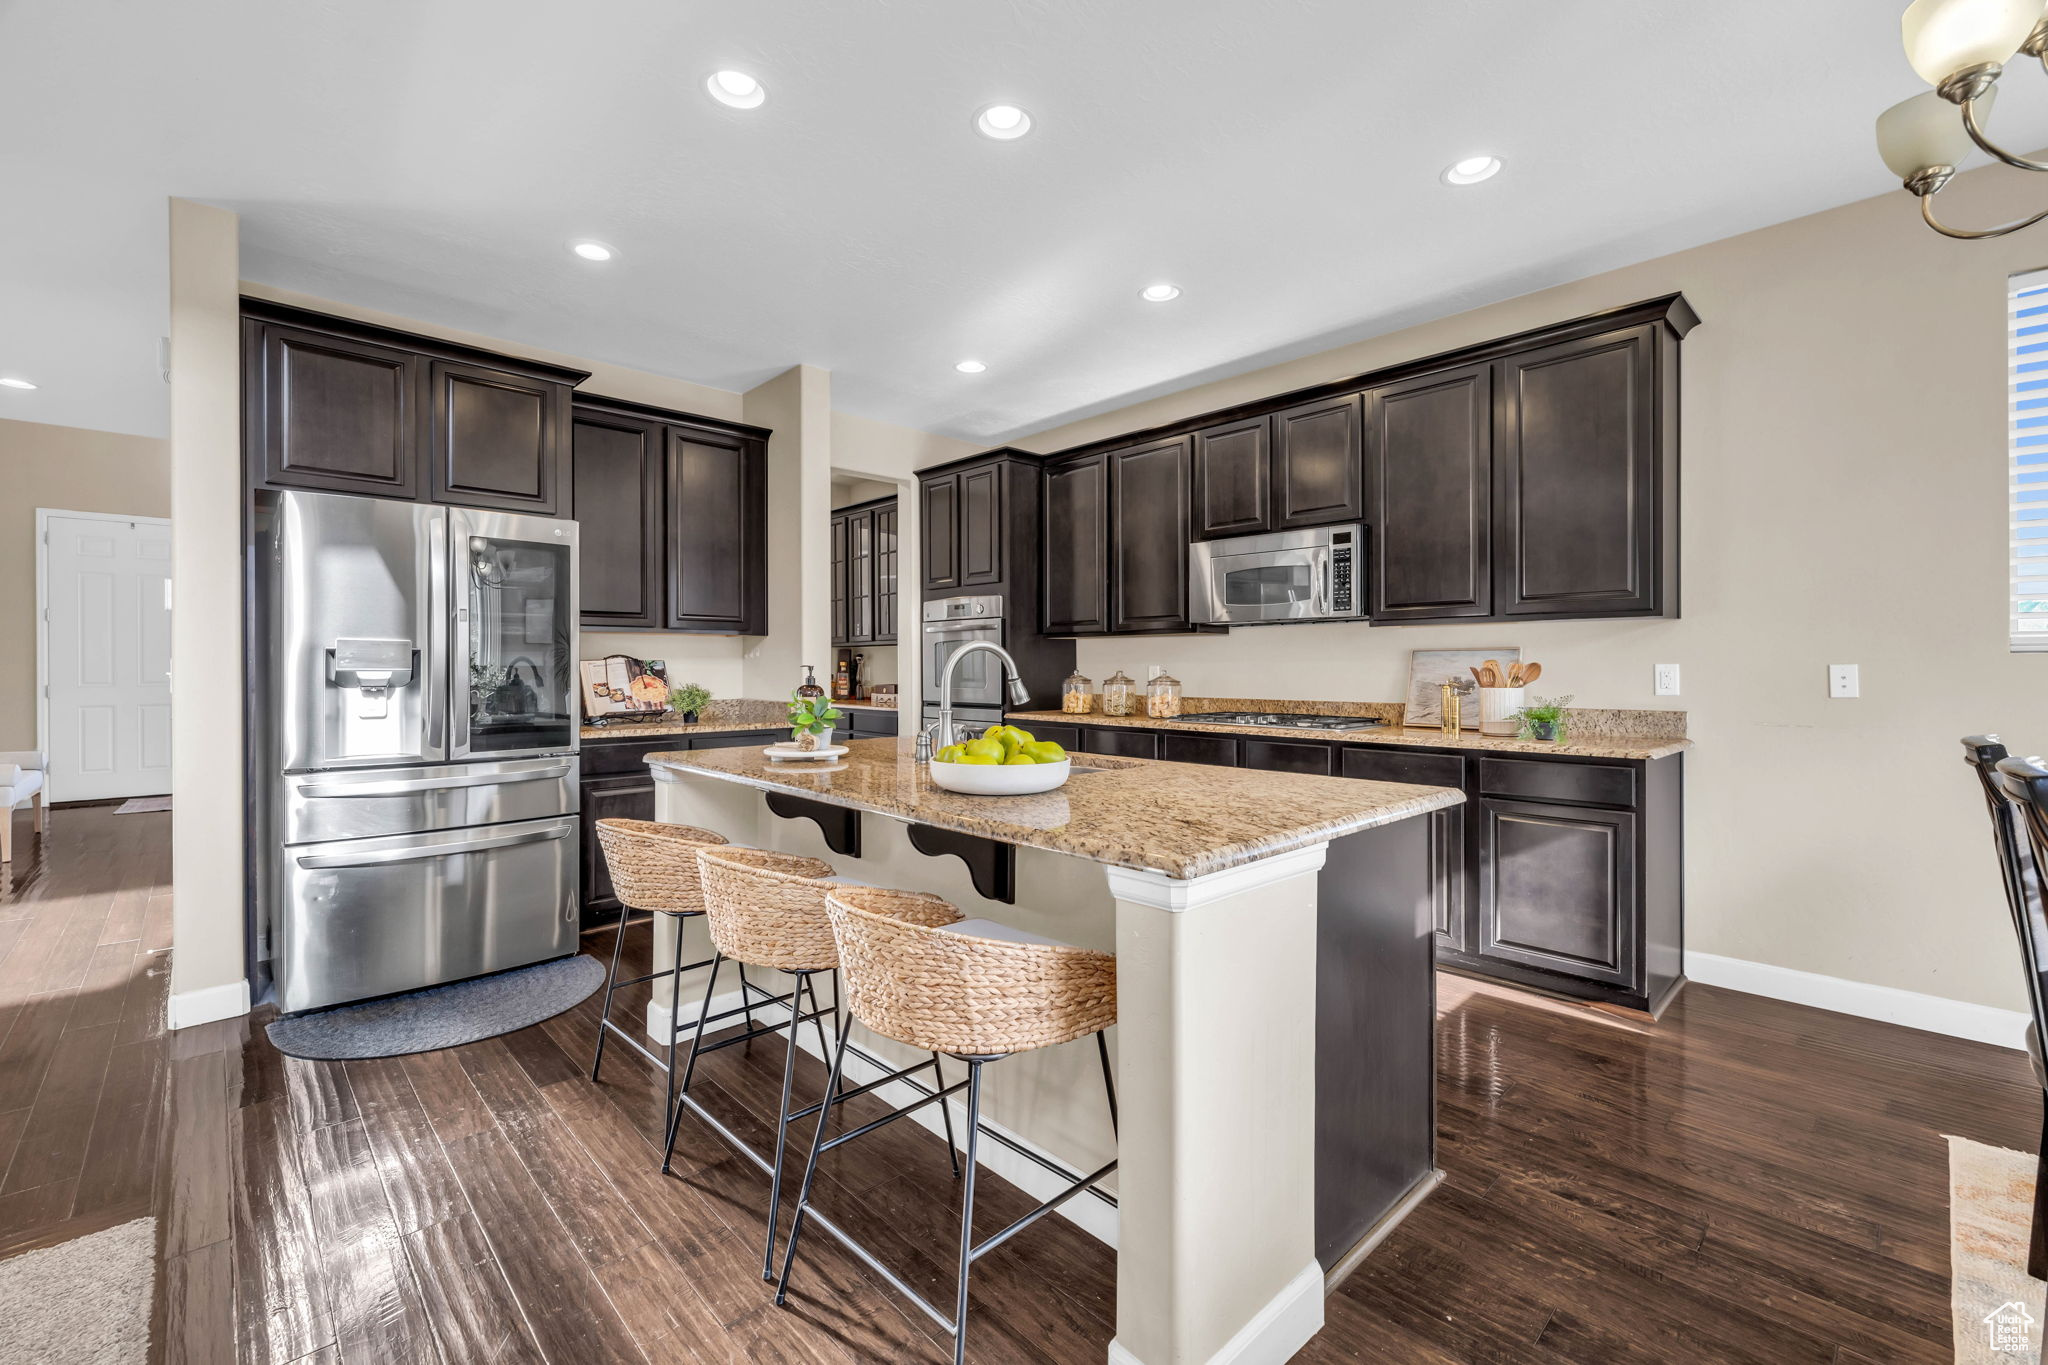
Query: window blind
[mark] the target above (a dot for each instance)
(2027, 460)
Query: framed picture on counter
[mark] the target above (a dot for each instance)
(1429, 669)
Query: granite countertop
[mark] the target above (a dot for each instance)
(1128, 812)
(1594, 746)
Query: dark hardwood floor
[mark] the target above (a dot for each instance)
(1745, 1181)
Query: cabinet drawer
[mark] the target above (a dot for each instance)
(868, 724)
(617, 757)
(1593, 784)
(1122, 743)
(1068, 737)
(1277, 756)
(1393, 765)
(1217, 750)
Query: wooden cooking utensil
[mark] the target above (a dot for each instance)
(1531, 673)
(1479, 676)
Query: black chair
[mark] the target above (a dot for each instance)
(2016, 793)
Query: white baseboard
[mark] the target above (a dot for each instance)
(1274, 1333)
(188, 1008)
(1934, 1013)
(1084, 1210)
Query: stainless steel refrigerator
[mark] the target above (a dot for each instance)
(414, 742)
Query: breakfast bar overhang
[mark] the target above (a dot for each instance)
(1275, 989)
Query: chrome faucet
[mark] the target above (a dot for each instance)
(1013, 688)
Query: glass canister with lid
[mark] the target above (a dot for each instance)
(1119, 695)
(1162, 697)
(1077, 695)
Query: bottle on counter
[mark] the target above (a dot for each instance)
(1077, 695)
(1119, 695)
(1162, 697)
(1450, 719)
(809, 687)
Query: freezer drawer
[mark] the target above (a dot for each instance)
(367, 917)
(364, 804)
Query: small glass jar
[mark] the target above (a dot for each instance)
(1077, 695)
(1162, 697)
(1119, 695)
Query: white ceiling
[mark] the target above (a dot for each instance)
(1278, 161)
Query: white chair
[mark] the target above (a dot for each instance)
(21, 779)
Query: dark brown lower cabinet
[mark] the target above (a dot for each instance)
(617, 785)
(1557, 888)
(1561, 873)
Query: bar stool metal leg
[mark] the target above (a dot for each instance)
(967, 1211)
(675, 1005)
(611, 984)
(782, 1114)
(675, 1109)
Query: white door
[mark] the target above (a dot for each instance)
(106, 660)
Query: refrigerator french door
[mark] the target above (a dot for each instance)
(423, 801)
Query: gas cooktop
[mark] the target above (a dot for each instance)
(1285, 720)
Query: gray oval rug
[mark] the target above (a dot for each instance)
(440, 1016)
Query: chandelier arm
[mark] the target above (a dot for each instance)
(1970, 234)
(1977, 136)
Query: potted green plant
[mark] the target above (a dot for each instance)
(689, 701)
(1544, 718)
(810, 720)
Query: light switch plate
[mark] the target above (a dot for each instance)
(1843, 681)
(1667, 680)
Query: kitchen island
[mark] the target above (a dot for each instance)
(1276, 1001)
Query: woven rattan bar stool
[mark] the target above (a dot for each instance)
(768, 909)
(653, 868)
(919, 973)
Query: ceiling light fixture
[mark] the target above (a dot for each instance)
(970, 367)
(1472, 170)
(1959, 47)
(592, 251)
(1003, 122)
(1159, 293)
(13, 383)
(736, 88)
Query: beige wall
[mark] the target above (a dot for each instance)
(207, 678)
(69, 469)
(1843, 502)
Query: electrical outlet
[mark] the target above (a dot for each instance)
(1667, 680)
(1843, 681)
(1152, 671)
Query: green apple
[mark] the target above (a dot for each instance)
(1016, 758)
(1044, 751)
(980, 760)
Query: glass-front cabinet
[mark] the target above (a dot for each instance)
(514, 592)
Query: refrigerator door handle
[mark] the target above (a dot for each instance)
(404, 855)
(403, 786)
(435, 696)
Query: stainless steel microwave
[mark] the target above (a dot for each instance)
(1316, 575)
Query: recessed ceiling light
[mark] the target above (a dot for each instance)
(1472, 170)
(13, 383)
(592, 251)
(1003, 122)
(1159, 293)
(970, 367)
(736, 88)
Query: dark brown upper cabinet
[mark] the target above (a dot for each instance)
(1233, 479)
(717, 532)
(888, 571)
(863, 557)
(498, 439)
(1317, 475)
(1075, 547)
(333, 413)
(347, 407)
(1429, 474)
(1148, 537)
(939, 513)
(1586, 491)
(981, 526)
(618, 472)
